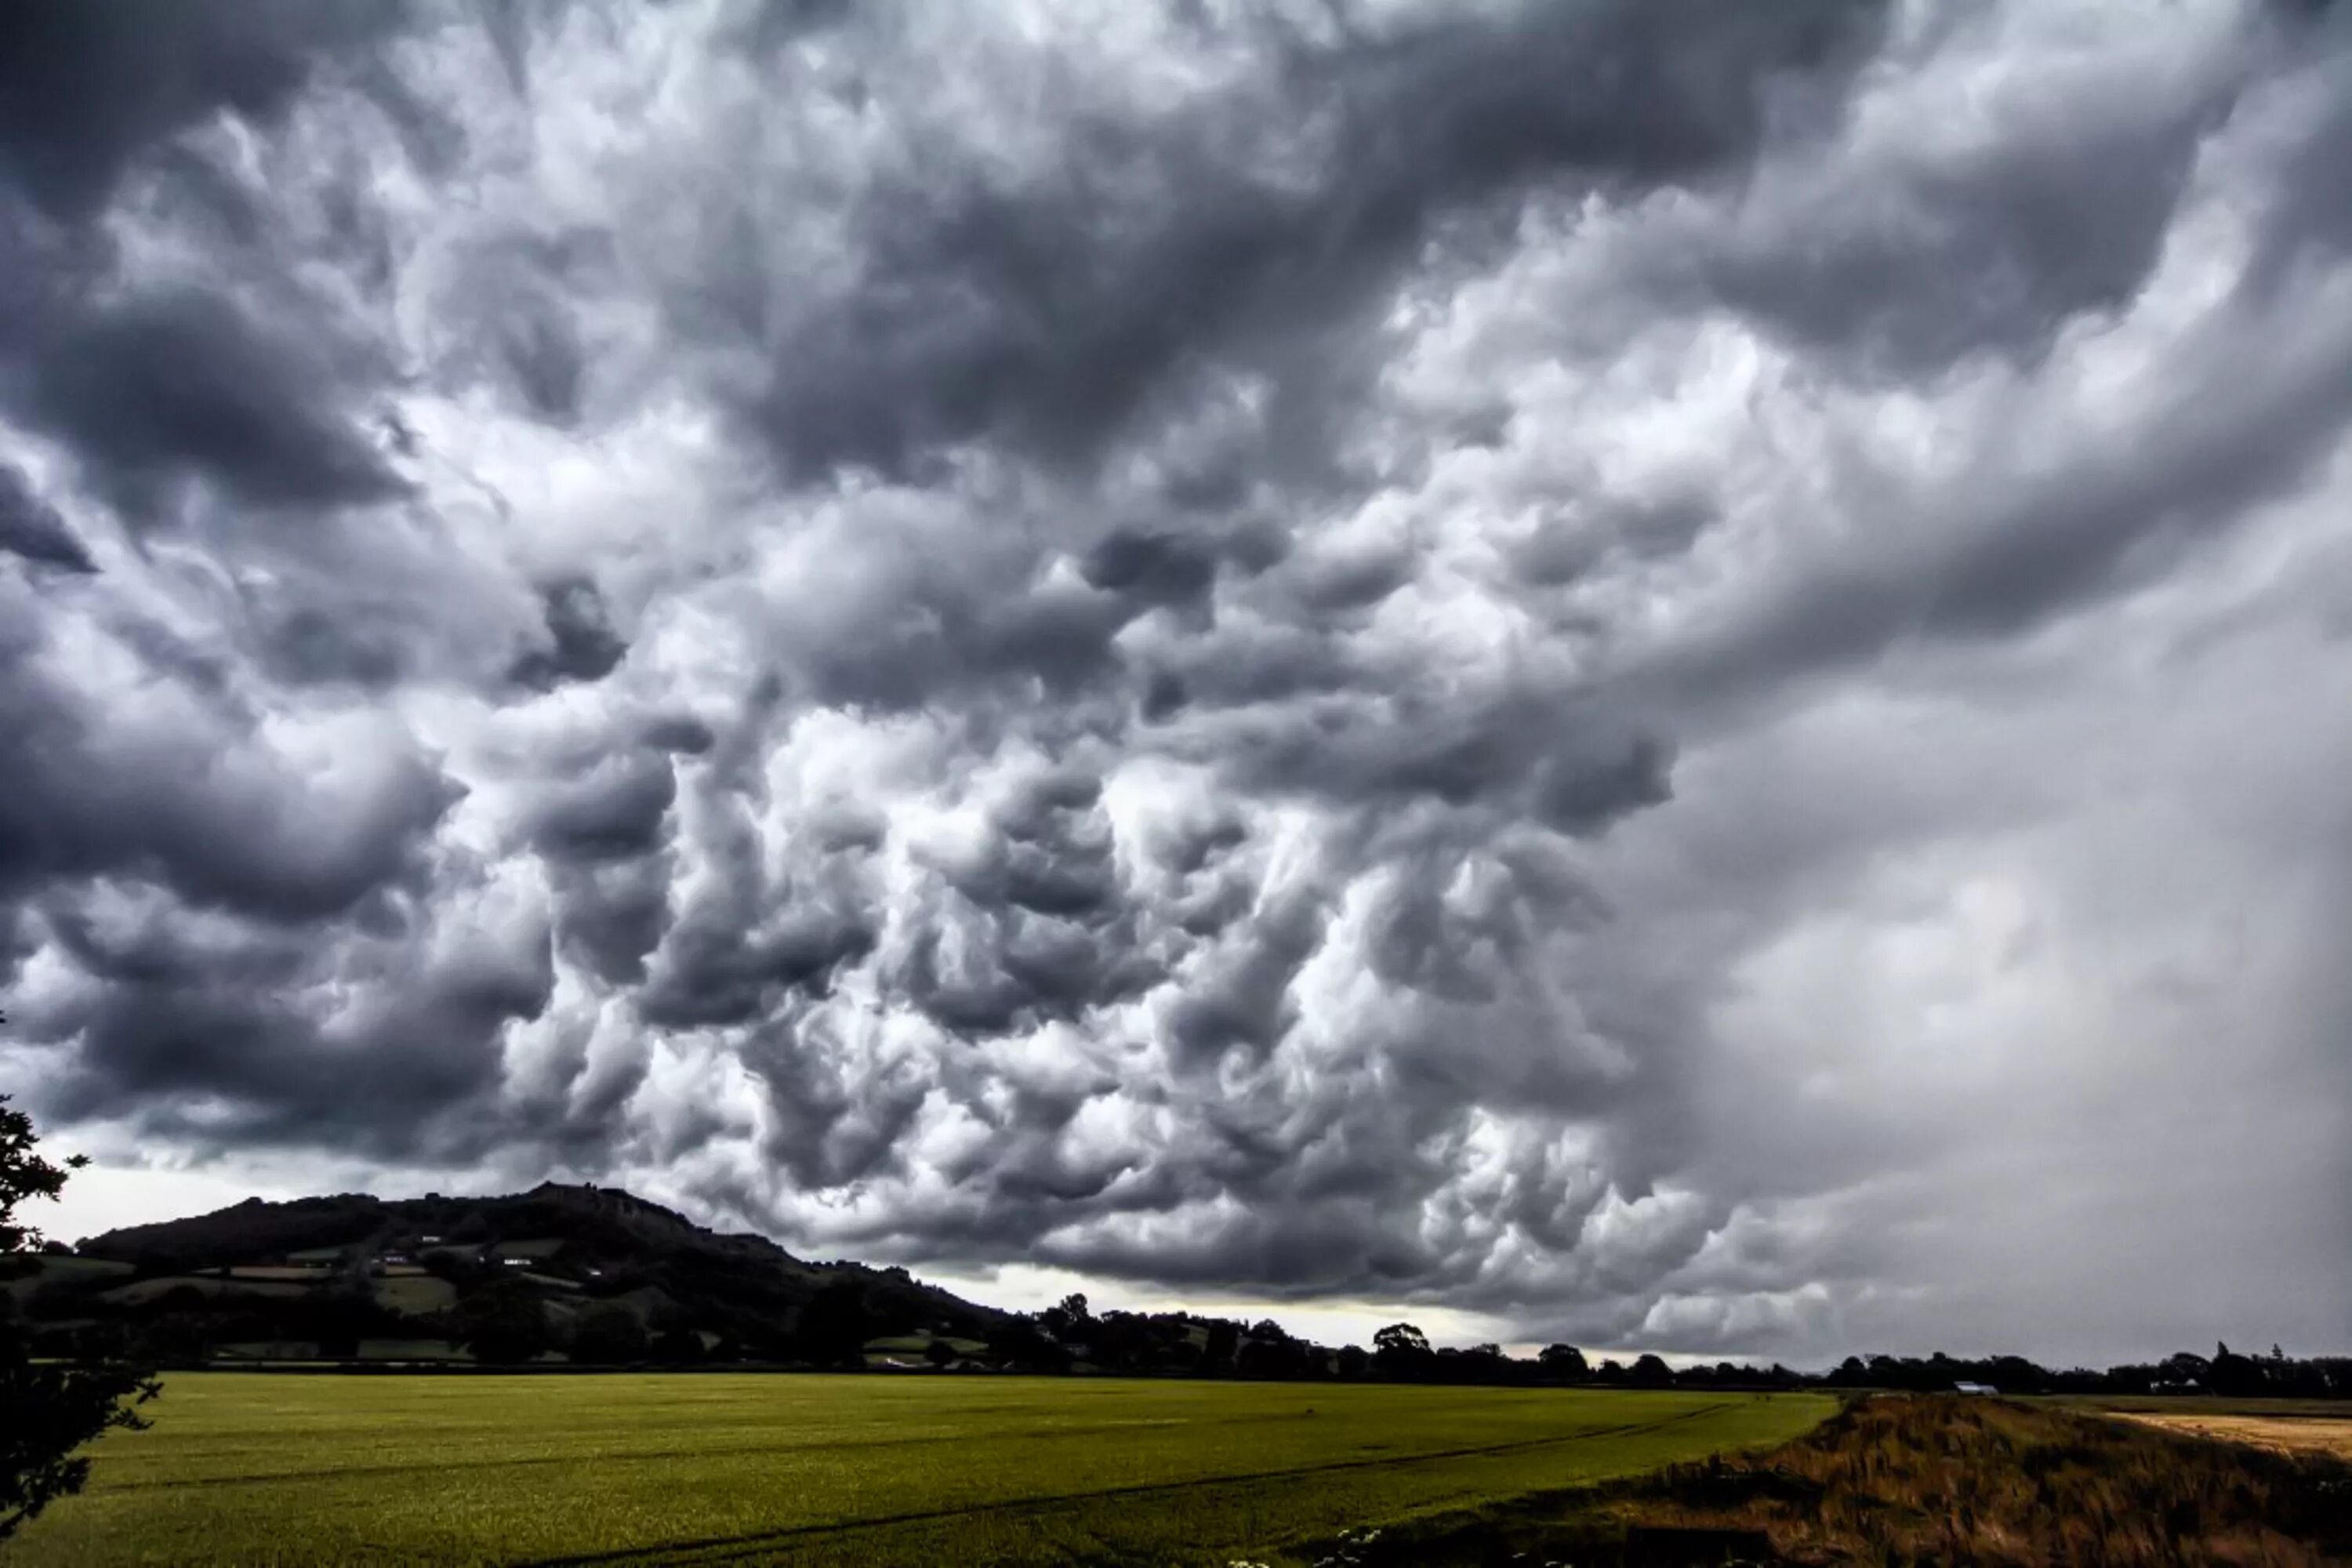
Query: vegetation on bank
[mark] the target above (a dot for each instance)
(1918, 1480)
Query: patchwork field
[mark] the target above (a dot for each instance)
(254, 1468)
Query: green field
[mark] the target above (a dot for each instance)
(251, 1468)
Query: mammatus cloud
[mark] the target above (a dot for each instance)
(1672, 671)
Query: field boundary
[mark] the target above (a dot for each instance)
(726, 1546)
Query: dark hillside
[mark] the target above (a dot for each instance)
(411, 1276)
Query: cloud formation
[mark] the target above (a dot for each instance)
(1674, 672)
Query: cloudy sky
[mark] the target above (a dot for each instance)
(1664, 672)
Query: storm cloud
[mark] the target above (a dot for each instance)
(1672, 672)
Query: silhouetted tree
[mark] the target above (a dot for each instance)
(47, 1411)
(1565, 1363)
(502, 1324)
(1069, 1320)
(609, 1333)
(1225, 1341)
(836, 1325)
(1651, 1371)
(1352, 1361)
(1019, 1344)
(1401, 1350)
(2234, 1374)
(940, 1353)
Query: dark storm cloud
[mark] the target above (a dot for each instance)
(182, 386)
(616, 813)
(170, 1035)
(193, 800)
(1637, 666)
(582, 644)
(89, 88)
(31, 528)
(1990, 252)
(1048, 308)
(744, 946)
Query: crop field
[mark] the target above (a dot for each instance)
(624, 1469)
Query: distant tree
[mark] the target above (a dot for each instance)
(835, 1325)
(1224, 1339)
(47, 1411)
(1400, 1350)
(1565, 1363)
(1069, 1320)
(940, 1353)
(608, 1334)
(1651, 1371)
(1352, 1361)
(677, 1347)
(2235, 1375)
(1267, 1329)
(1019, 1344)
(178, 1338)
(502, 1324)
(1125, 1340)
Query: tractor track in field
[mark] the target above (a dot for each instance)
(697, 1451)
(739, 1548)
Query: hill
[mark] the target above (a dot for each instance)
(355, 1275)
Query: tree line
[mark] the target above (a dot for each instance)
(1070, 1336)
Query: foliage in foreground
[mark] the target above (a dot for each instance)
(1927, 1479)
(47, 1413)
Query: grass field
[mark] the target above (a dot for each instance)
(624, 1469)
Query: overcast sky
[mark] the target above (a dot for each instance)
(1667, 673)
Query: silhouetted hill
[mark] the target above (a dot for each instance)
(390, 1276)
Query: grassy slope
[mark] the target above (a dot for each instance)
(253, 1469)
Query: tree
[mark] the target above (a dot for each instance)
(1070, 1321)
(1400, 1350)
(940, 1354)
(504, 1323)
(1564, 1361)
(1018, 1344)
(48, 1412)
(835, 1325)
(609, 1333)
(1652, 1372)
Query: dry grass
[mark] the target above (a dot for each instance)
(2285, 1435)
